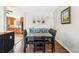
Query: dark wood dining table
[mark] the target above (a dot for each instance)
(33, 35)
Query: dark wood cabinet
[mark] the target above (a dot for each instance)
(1, 43)
(6, 42)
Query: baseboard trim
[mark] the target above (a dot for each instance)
(64, 47)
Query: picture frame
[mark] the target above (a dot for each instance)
(66, 16)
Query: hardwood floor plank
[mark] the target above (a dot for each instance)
(59, 48)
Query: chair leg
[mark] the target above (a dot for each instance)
(48, 48)
(34, 48)
(44, 48)
(24, 49)
(52, 48)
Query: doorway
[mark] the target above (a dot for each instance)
(14, 24)
(14, 21)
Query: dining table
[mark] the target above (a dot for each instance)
(45, 37)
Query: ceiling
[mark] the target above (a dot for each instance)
(32, 10)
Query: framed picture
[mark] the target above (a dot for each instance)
(65, 16)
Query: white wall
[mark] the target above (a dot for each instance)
(31, 12)
(39, 12)
(2, 27)
(68, 34)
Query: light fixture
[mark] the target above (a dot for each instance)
(8, 11)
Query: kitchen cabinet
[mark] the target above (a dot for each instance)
(10, 21)
(6, 42)
(14, 24)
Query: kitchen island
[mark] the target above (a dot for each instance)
(6, 41)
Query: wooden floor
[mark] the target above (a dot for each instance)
(19, 47)
(58, 49)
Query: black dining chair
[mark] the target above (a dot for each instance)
(52, 41)
(39, 44)
(25, 40)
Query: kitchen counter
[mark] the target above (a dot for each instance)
(16, 30)
(6, 32)
(6, 41)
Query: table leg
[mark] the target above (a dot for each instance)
(44, 48)
(24, 49)
(34, 47)
(52, 48)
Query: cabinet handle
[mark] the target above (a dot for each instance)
(10, 37)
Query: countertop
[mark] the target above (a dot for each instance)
(2, 33)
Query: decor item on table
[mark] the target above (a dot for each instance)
(65, 16)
